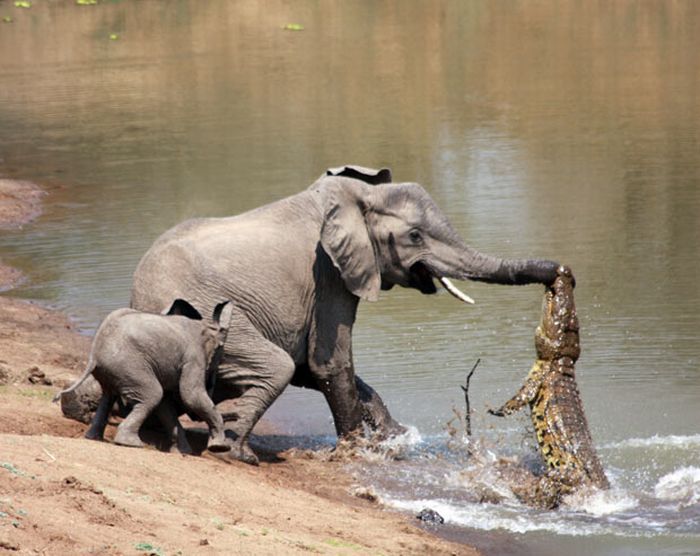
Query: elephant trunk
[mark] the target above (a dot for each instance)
(513, 272)
(464, 263)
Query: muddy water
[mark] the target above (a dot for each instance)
(559, 129)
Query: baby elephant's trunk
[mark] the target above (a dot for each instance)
(80, 402)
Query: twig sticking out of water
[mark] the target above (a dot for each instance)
(465, 389)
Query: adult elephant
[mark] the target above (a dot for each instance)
(296, 270)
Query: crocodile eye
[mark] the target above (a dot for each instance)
(415, 236)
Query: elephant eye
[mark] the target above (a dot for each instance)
(415, 236)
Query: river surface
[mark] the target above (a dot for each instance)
(566, 130)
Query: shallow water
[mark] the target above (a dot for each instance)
(565, 130)
(652, 506)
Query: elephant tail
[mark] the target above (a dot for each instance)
(88, 371)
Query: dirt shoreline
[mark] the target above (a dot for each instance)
(62, 494)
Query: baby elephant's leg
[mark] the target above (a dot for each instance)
(99, 420)
(145, 393)
(194, 395)
(176, 434)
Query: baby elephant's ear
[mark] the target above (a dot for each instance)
(182, 307)
(222, 314)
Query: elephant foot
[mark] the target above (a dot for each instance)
(218, 445)
(131, 439)
(181, 446)
(175, 449)
(241, 451)
(93, 435)
(375, 413)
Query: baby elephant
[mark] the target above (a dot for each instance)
(139, 357)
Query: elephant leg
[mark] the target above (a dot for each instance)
(375, 412)
(352, 402)
(195, 398)
(145, 396)
(176, 434)
(340, 391)
(330, 357)
(99, 420)
(258, 369)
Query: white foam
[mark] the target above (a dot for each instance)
(489, 517)
(599, 503)
(681, 485)
(394, 447)
(483, 480)
(513, 517)
(411, 437)
(656, 441)
(624, 512)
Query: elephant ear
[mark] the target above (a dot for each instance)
(182, 307)
(367, 175)
(346, 240)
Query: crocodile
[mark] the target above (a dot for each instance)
(556, 410)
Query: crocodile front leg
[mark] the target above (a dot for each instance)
(527, 391)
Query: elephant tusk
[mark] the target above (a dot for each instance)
(454, 290)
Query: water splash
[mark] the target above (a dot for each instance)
(459, 478)
(370, 450)
(682, 486)
(599, 503)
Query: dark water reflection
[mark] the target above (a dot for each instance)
(559, 129)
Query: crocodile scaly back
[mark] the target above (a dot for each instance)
(557, 411)
(555, 404)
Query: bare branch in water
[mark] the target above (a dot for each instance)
(465, 389)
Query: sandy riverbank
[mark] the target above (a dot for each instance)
(62, 494)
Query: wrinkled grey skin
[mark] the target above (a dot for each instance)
(146, 359)
(296, 270)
